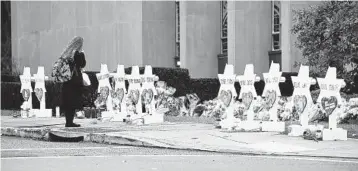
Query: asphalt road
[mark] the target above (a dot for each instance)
(30, 155)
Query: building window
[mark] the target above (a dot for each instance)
(223, 17)
(177, 29)
(276, 26)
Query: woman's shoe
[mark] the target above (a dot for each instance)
(72, 125)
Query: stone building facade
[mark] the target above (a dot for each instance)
(199, 35)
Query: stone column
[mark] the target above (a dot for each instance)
(158, 33)
(200, 37)
(249, 34)
(286, 36)
(114, 32)
(231, 23)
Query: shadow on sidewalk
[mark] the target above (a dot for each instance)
(55, 138)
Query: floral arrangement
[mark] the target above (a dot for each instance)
(25, 106)
(213, 108)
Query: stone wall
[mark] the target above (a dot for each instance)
(200, 37)
(141, 33)
(249, 34)
(114, 32)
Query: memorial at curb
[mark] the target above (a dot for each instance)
(302, 100)
(138, 104)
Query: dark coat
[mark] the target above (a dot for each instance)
(72, 90)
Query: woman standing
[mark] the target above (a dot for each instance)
(72, 90)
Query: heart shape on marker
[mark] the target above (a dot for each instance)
(270, 98)
(247, 99)
(25, 94)
(120, 94)
(300, 103)
(135, 96)
(39, 93)
(113, 94)
(329, 104)
(226, 97)
(104, 92)
(117, 97)
(147, 96)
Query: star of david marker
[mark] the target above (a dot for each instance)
(119, 89)
(40, 84)
(227, 91)
(134, 88)
(40, 92)
(26, 88)
(248, 91)
(148, 90)
(272, 89)
(103, 82)
(329, 96)
(301, 94)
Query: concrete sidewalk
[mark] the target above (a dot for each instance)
(179, 136)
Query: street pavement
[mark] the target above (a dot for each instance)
(19, 154)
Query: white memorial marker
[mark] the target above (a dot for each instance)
(134, 88)
(40, 92)
(119, 94)
(227, 94)
(302, 100)
(104, 88)
(272, 93)
(330, 99)
(248, 94)
(26, 91)
(148, 92)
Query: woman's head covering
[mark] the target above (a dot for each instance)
(75, 45)
(80, 59)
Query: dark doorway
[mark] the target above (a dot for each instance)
(6, 59)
